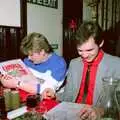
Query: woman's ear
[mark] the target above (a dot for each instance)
(101, 44)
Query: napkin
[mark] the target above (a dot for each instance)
(23, 95)
(48, 103)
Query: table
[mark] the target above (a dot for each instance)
(63, 111)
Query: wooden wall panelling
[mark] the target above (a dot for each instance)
(10, 37)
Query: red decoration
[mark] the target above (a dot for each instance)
(73, 24)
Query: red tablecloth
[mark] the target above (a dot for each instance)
(48, 103)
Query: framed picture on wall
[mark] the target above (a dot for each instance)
(10, 13)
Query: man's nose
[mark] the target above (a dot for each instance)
(84, 55)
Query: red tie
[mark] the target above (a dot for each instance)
(86, 84)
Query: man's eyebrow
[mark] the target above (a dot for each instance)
(90, 49)
(85, 50)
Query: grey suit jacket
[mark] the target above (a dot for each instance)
(109, 66)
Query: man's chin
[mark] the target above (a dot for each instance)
(88, 60)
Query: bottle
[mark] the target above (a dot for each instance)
(108, 100)
(3, 112)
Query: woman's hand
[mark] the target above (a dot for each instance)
(48, 93)
(91, 113)
(8, 81)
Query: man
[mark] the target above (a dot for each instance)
(100, 65)
(47, 66)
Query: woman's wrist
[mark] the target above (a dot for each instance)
(18, 84)
(38, 88)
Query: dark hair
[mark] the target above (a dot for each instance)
(35, 42)
(89, 29)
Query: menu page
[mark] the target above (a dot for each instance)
(65, 111)
(16, 68)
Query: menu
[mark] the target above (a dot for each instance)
(16, 68)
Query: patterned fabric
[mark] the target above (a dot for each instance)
(56, 64)
(50, 73)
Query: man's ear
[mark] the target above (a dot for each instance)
(101, 44)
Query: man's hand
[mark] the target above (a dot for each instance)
(48, 93)
(90, 113)
(8, 81)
